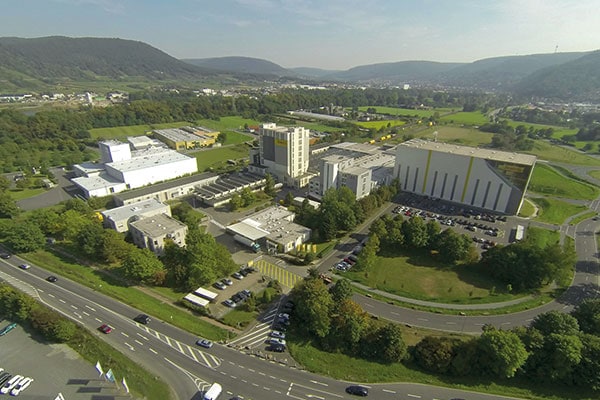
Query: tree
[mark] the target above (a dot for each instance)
(415, 232)
(555, 322)
(313, 306)
(368, 255)
(143, 266)
(342, 290)
(435, 354)
(235, 202)
(393, 349)
(587, 372)
(348, 322)
(4, 183)
(289, 199)
(25, 237)
(453, 247)
(8, 206)
(587, 314)
(269, 185)
(501, 353)
(90, 239)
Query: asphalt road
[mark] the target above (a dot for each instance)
(170, 353)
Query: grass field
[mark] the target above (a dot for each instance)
(462, 136)
(583, 217)
(380, 124)
(555, 211)
(219, 156)
(420, 277)
(542, 237)
(232, 137)
(547, 151)
(595, 173)
(466, 118)
(547, 180)
(17, 195)
(407, 112)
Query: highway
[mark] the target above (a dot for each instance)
(170, 353)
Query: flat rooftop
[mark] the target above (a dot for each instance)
(157, 225)
(151, 157)
(125, 212)
(489, 154)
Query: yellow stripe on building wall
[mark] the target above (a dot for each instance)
(464, 192)
(426, 171)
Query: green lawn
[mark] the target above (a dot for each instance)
(547, 180)
(232, 137)
(542, 237)
(226, 123)
(420, 277)
(583, 217)
(555, 211)
(219, 156)
(595, 173)
(18, 194)
(466, 118)
(527, 209)
(547, 151)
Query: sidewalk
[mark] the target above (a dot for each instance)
(484, 306)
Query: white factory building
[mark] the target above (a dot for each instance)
(122, 168)
(484, 178)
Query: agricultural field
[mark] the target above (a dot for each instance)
(548, 181)
(465, 118)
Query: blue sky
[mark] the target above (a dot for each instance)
(331, 34)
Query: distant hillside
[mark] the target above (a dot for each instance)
(578, 79)
(399, 72)
(503, 72)
(313, 72)
(244, 65)
(49, 58)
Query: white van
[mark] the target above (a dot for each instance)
(213, 392)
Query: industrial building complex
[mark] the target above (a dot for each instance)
(484, 178)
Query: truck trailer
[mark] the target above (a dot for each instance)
(247, 242)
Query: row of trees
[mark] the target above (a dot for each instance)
(339, 324)
(340, 211)
(201, 261)
(556, 348)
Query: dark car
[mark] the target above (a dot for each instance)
(6, 256)
(276, 347)
(142, 319)
(357, 390)
(4, 377)
(52, 278)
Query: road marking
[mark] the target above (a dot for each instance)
(413, 395)
(388, 391)
(99, 320)
(394, 313)
(142, 336)
(369, 305)
(319, 383)
(90, 308)
(124, 334)
(450, 323)
(315, 396)
(78, 316)
(75, 307)
(138, 342)
(130, 346)
(251, 370)
(86, 314)
(62, 301)
(262, 373)
(51, 295)
(422, 319)
(152, 350)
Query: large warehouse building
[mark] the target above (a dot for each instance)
(483, 178)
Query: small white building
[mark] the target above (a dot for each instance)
(118, 218)
(153, 232)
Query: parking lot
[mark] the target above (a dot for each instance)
(54, 368)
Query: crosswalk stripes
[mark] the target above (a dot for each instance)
(191, 352)
(283, 276)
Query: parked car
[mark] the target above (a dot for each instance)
(357, 390)
(273, 341)
(142, 319)
(220, 285)
(207, 344)
(22, 385)
(24, 266)
(229, 303)
(52, 278)
(11, 383)
(243, 272)
(8, 328)
(5, 256)
(237, 275)
(106, 329)
(277, 334)
(4, 376)
(278, 348)
(283, 316)
(227, 281)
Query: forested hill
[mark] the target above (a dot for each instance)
(578, 79)
(87, 59)
(245, 65)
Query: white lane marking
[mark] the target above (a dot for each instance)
(78, 315)
(86, 314)
(369, 305)
(319, 383)
(130, 346)
(262, 373)
(450, 323)
(74, 307)
(62, 301)
(138, 342)
(124, 334)
(394, 313)
(413, 395)
(422, 319)
(51, 295)
(142, 336)
(99, 320)
(388, 391)
(152, 350)
(90, 308)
